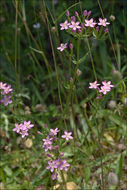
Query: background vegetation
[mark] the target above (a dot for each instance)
(40, 76)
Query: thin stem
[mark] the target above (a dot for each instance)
(87, 41)
(99, 4)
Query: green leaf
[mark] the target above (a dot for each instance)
(8, 171)
(120, 166)
(87, 174)
(81, 59)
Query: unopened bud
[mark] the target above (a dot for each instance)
(106, 30)
(85, 12)
(78, 72)
(73, 18)
(53, 29)
(112, 179)
(76, 13)
(71, 79)
(61, 154)
(39, 107)
(89, 13)
(28, 143)
(112, 18)
(27, 112)
(67, 13)
(71, 46)
(116, 75)
(84, 105)
(45, 125)
(97, 28)
(112, 104)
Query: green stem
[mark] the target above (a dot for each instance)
(87, 41)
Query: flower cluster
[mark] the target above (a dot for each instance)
(23, 128)
(56, 162)
(106, 87)
(6, 92)
(84, 26)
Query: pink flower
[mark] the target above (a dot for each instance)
(28, 125)
(65, 25)
(48, 140)
(17, 128)
(6, 100)
(75, 25)
(94, 85)
(2, 85)
(103, 22)
(62, 47)
(107, 84)
(47, 147)
(67, 135)
(7, 89)
(24, 133)
(90, 23)
(54, 131)
(52, 165)
(54, 176)
(64, 165)
(104, 89)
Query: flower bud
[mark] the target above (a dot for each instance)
(125, 101)
(73, 18)
(112, 104)
(78, 72)
(45, 125)
(106, 30)
(97, 28)
(89, 13)
(61, 154)
(28, 143)
(85, 12)
(71, 79)
(116, 75)
(38, 107)
(79, 30)
(82, 25)
(76, 13)
(112, 179)
(67, 13)
(112, 18)
(71, 46)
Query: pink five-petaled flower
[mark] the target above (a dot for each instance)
(17, 128)
(47, 147)
(24, 133)
(107, 84)
(6, 100)
(54, 176)
(2, 85)
(28, 124)
(52, 165)
(65, 25)
(94, 85)
(7, 89)
(103, 22)
(54, 131)
(67, 135)
(90, 23)
(47, 140)
(62, 47)
(104, 89)
(74, 25)
(64, 165)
